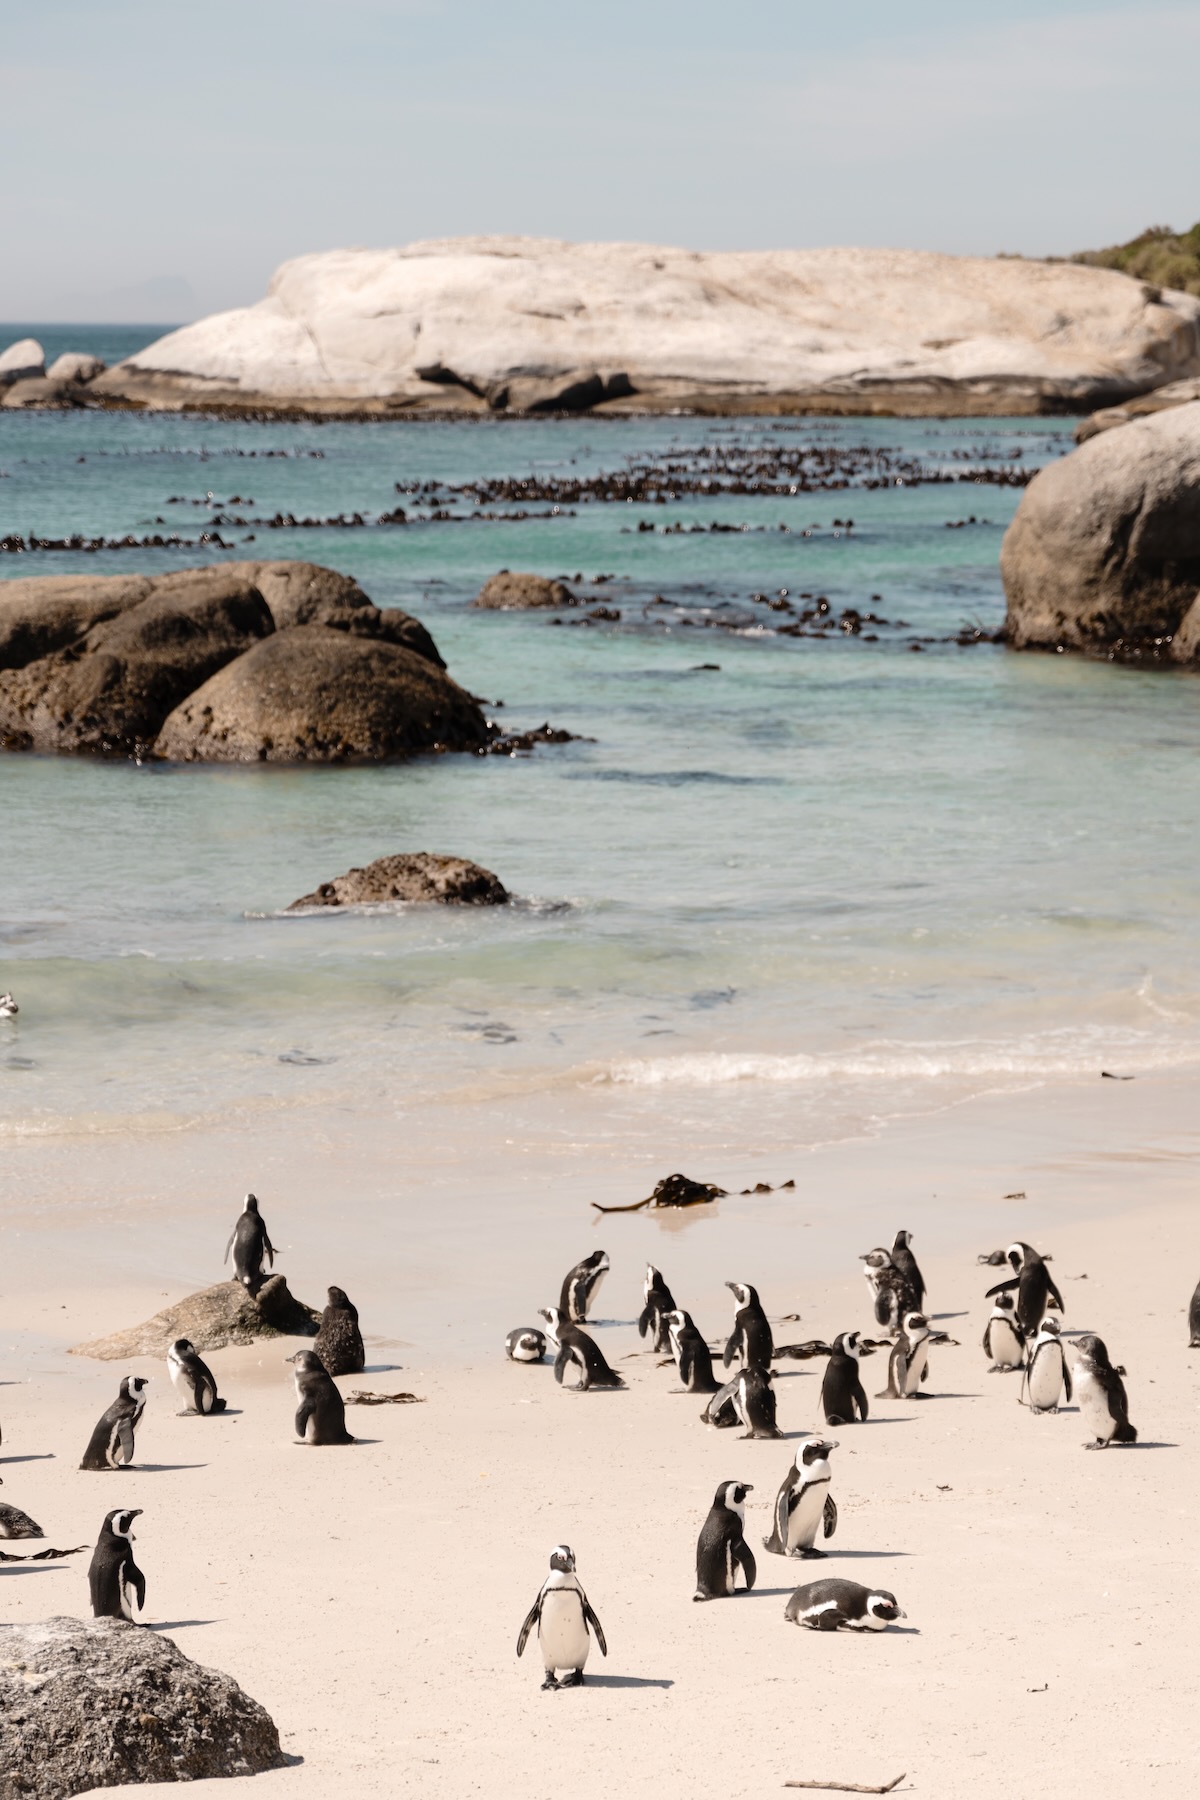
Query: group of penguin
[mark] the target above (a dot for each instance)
(118, 1587)
(1019, 1335)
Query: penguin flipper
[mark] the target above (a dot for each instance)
(595, 1624)
(1054, 1294)
(304, 1413)
(269, 1247)
(731, 1346)
(134, 1575)
(860, 1399)
(531, 1619)
(743, 1554)
(229, 1245)
(560, 1364)
(1066, 1379)
(1005, 1287)
(124, 1437)
(646, 1319)
(829, 1516)
(783, 1507)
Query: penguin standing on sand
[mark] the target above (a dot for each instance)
(1047, 1377)
(1194, 1320)
(117, 1584)
(843, 1397)
(1003, 1339)
(693, 1358)
(562, 1614)
(250, 1243)
(321, 1414)
(576, 1348)
(581, 1286)
(1101, 1395)
(1033, 1283)
(339, 1341)
(804, 1505)
(526, 1345)
(908, 1364)
(655, 1316)
(910, 1274)
(748, 1399)
(751, 1336)
(192, 1379)
(722, 1548)
(111, 1443)
(829, 1605)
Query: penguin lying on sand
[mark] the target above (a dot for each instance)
(17, 1524)
(192, 1379)
(804, 1505)
(250, 1243)
(1033, 1283)
(749, 1400)
(526, 1344)
(722, 1548)
(111, 1443)
(117, 1584)
(562, 1615)
(581, 1286)
(828, 1605)
(751, 1336)
(693, 1358)
(339, 1341)
(655, 1316)
(842, 1393)
(1003, 1339)
(574, 1346)
(1101, 1395)
(1047, 1377)
(321, 1415)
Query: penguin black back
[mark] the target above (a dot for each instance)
(914, 1282)
(192, 1379)
(843, 1397)
(339, 1341)
(751, 1337)
(581, 1286)
(576, 1349)
(659, 1304)
(250, 1243)
(321, 1414)
(1033, 1283)
(114, 1579)
(721, 1549)
(693, 1357)
(112, 1442)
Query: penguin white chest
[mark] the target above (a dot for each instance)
(805, 1518)
(1045, 1378)
(1005, 1345)
(562, 1631)
(917, 1364)
(1093, 1404)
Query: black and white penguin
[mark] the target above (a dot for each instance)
(659, 1304)
(581, 1285)
(192, 1379)
(693, 1358)
(889, 1290)
(748, 1399)
(910, 1274)
(828, 1605)
(908, 1364)
(8, 1007)
(250, 1243)
(751, 1336)
(17, 1524)
(804, 1505)
(1194, 1320)
(721, 1549)
(843, 1397)
(562, 1614)
(1101, 1395)
(1003, 1339)
(574, 1346)
(1047, 1378)
(111, 1443)
(116, 1582)
(339, 1341)
(321, 1414)
(525, 1345)
(1033, 1283)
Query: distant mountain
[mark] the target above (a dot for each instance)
(1166, 258)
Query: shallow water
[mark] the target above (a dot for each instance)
(827, 880)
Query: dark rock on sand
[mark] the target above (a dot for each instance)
(211, 1319)
(100, 1703)
(1103, 554)
(311, 694)
(512, 591)
(339, 1341)
(417, 876)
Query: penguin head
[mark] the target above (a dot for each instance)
(853, 1343)
(814, 1449)
(597, 1262)
(1049, 1324)
(553, 1316)
(562, 1557)
(1092, 1350)
(875, 1260)
(743, 1293)
(732, 1494)
(120, 1522)
(250, 1204)
(183, 1347)
(916, 1325)
(1018, 1255)
(903, 1240)
(133, 1387)
(679, 1320)
(339, 1298)
(884, 1607)
(306, 1362)
(1004, 1304)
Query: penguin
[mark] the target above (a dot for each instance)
(1003, 1339)
(827, 1605)
(1194, 1320)
(888, 1287)
(321, 1415)
(908, 1364)
(111, 1443)
(526, 1344)
(17, 1524)
(843, 1397)
(910, 1274)
(659, 1305)
(804, 1504)
(562, 1614)
(250, 1243)
(1047, 1378)
(339, 1341)
(8, 1007)
(116, 1582)
(693, 1357)
(575, 1346)
(192, 1379)
(721, 1549)
(751, 1336)
(1101, 1395)
(747, 1399)
(1034, 1284)
(581, 1285)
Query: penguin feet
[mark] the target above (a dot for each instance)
(574, 1679)
(814, 1554)
(549, 1681)
(1096, 1444)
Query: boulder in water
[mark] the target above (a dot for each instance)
(21, 361)
(514, 591)
(211, 1319)
(417, 876)
(75, 365)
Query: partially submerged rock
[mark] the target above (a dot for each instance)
(212, 1318)
(417, 876)
(1103, 554)
(21, 361)
(75, 365)
(1176, 393)
(515, 591)
(101, 1703)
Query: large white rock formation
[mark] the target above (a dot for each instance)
(534, 323)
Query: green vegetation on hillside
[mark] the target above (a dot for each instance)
(1169, 259)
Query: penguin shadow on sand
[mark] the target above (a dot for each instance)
(33, 1456)
(176, 1624)
(628, 1681)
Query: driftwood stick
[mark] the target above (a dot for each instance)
(847, 1787)
(636, 1207)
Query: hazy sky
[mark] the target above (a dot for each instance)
(161, 158)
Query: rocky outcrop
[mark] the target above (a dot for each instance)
(1103, 554)
(100, 665)
(513, 591)
(419, 877)
(21, 361)
(214, 1317)
(75, 365)
(316, 695)
(1176, 393)
(535, 324)
(100, 1703)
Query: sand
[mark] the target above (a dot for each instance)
(371, 1596)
